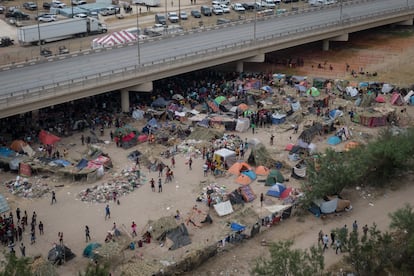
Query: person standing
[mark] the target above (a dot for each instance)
(23, 250)
(134, 229)
(107, 212)
(332, 238)
(18, 214)
(41, 228)
(190, 163)
(338, 246)
(173, 162)
(159, 185)
(87, 233)
(272, 137)
(365, 230)
(53, 197)
(32, 237)
(355, 226)
(320, 237)
(60, 235)
(152, 181)
(261, 199)
(83, 140)
(137, 163)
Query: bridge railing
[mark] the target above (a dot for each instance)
(127, 73)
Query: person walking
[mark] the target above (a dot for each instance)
(152, 182)
(332, 238)
(338, 246)
(18, 214)
(159, 185)
(53, 197)
(261, 199)
(87, 233)
(272, 137)
(190, 163)
(325, 242)
(41, 228)
(107, 212)
(320, 237)
(173, 162)
(23, 250)
(83, 140)
(365, 230)
(32, 237)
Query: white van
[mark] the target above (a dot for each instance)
(220, 2)
(268, 4)
(108, 11)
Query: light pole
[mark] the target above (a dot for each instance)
(255, 21)
(179, 9)
(38, 28)
(138, 33)
(166, 10)
(340, 12)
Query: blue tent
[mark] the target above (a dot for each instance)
(276, 190)
(61, 162)
(333, 114)
(334, 140)
(160, 102)
(6, 152)
(82, 164)
(237, 227)
(88, 251)
(250, 174)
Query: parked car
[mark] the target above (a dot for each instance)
(108, 11)
(80, 15)
(249, 6)
(173, 17)
(45, 52)
(225, 8)
(205, 10)
(31, 6)
(195, 14)
(2, 9)
(63, 50)
(78, 2)
(58, 4)
(160, 19)
(183, 15)
(46, 5)
(238, 7)
(217, 10)
(46, 18)
(15, 13)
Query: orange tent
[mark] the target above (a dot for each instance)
(237, 167)
(243, 107)
(262, 170)
(17, 145)
(243, 179)
(351, 145)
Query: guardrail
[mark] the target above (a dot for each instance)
(127, 73)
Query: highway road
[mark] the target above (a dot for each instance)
(21, 79)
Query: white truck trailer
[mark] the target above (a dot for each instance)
(58, 30)
(150, 3)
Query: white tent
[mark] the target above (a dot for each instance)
(225, 155)
(408, 96)
(351, 91)
(138, 114)
(113, 39)
(242, 124)
(223, 208)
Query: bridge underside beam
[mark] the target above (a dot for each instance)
(257, 58)
(325, 42)
(408, 22)
(144, 87)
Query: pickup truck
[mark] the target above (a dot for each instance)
(17, 14)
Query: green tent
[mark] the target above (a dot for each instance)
(313, 91)
(220, 99)
(274, 177)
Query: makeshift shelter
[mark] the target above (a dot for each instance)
(334, 114)
(4, 205)
(408, 97)
(351, 91)
(220, 100)
(274, 177)
(59, 254)
(159, 102)
(236, 227)
(138, 114)
(177, 237)
(116, 38)
(242, 124)
(224, 155)
(308, 134)
(22, 147)
(333, 204)
(299, 170)
(223, 208)
(397, 99)
(247, 193)
(48, 138)
(260, 156)
(242, 107)
(276, 190)
(278, 118)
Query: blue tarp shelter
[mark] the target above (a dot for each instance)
(6, 152)
(237, 227)
(250, 174)
(61, 162)
(334, 140)
(82, 164)
(276, 190)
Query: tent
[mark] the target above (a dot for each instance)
(351, 91)
(274, 177)
(47, 138)
(276, 190)
(278, 118)
(397, 99)
(267, 88)
(299, 170)
(237, 227)
(178, 236)
(250, 174)
(88, 251)
(262, 170)
(334, 114)
(408, 96)
(159, 102)
(243, 179)
(238, 167)
(223, 208)
(220, 99)
(242, 124)
(243, 107)
(313, 91)
(4, 205)
(286, 193)
(177, 97)
(225, 156)
(116, 38)
(386, 88)
(326, 207)
(17, 145)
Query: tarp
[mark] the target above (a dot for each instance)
(47, 138)
(138, 114)
(242, 124)
(179, 237)
(237, 227)
(386, 88)
(250, 174)
(59, 253)
(408, 96)
(351, 91)
(267, 88)
(4, 205)
(225, 155)
(397, 99)
(247, 193)
(88, 251)
(334, 114)
(276, 190)
(6, 152)
(116, 38)
(61, 162)
(277, 208)
(295, 105)
(160, 102)
(223, 208)
(327, 207)
(334, 140)
(82, 164)
(17, 145)
(380, 99)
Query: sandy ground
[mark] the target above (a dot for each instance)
(70, 215)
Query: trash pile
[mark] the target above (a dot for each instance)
(217, 194)
(121, 184)
(24, 188)
(229, 141)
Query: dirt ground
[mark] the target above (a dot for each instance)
(386, 55)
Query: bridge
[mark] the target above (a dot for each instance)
(37, 84)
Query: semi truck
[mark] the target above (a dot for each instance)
(58, 30)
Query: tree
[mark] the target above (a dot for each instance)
(287, 261)
(96, 269)
(14, 266)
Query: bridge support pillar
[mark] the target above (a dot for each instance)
(325, 45)
(125, 100)
(408, 22)
(239, 66)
